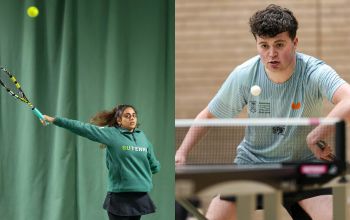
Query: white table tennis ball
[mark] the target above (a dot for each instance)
(255, 90)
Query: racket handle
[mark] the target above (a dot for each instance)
(38, 114)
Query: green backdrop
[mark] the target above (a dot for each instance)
(76, 58)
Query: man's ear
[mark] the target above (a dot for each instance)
(295, 42)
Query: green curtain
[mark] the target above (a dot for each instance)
(75, 58)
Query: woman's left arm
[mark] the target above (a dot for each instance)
(154, 163)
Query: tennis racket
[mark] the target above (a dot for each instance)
(9, 82)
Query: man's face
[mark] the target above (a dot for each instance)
(278, 52)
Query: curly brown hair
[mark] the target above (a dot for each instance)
(273, 20)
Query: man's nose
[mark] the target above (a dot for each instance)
(272, 52)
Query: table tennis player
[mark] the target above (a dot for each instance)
(288, 84)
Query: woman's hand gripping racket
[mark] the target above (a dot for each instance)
(9, 82)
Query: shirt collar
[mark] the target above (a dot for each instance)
(127, 131)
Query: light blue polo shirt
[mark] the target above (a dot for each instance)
(300, 96)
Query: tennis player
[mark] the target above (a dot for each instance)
(129, 157)
(292, 85)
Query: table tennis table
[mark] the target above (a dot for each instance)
(246, 181)
(270, 180)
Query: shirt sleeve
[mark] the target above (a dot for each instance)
(154, 163)
(328, 81)
(92, 132)
(230, 99)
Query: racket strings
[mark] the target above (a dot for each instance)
(9, 82)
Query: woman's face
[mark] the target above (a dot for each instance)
(128, 119)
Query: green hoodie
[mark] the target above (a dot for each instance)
(129, 155)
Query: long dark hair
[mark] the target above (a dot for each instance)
(109, 118)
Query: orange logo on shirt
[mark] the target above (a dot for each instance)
(296, 106)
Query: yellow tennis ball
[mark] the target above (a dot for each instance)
(32, 11)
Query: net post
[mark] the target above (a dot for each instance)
(340, 143)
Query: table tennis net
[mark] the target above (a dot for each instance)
(272, 140)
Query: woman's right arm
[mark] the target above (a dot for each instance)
(87, 130)
(193, 135)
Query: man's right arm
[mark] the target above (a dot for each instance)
(193, 135)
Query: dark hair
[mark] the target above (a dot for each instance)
(273, 20)
(109, 118)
